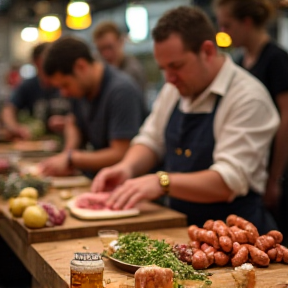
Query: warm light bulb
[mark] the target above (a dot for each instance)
(78, 9)
(29, 34)
(223, 39)
(50, 23)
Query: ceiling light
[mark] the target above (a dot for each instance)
(78, 8)
(137, 21)
(50, 23)
(78, 15)
(223, 39)
(29, 34)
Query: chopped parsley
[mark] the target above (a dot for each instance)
(138, 249)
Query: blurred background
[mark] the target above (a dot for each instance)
(22, 26)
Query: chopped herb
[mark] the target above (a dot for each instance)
(138, 249)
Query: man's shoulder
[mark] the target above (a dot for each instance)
(117, 79)
(274, 52)
(246, 86)
(130, 61)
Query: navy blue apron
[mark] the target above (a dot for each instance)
(190, 144)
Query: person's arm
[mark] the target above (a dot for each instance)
(95, 160)
(279, 153)
(72, 134)
(138, 160)
(10, 122)
(203, 187)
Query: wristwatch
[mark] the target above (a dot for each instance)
(164, 181)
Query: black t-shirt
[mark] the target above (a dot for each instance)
(115, 113)
(40, 102)
(271, 69)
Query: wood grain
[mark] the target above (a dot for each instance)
(152, 216)
(57, 256)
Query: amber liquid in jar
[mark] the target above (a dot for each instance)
(86, 273)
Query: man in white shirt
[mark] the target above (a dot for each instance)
(212, 125)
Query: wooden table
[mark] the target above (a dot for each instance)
(50, 262)
(152, 216)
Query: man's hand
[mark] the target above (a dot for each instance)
(22, 132)
(56, 166)
(109, 178)
(135, 190)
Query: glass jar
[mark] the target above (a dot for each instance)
(86, 270)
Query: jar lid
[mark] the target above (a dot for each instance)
(86, 256)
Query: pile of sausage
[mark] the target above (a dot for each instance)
(237, 241)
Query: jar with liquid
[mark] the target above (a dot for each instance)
(86, 270)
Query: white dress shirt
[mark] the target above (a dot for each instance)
(244, 125)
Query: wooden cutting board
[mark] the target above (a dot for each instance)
(152, 216)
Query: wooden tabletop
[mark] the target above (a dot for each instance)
(51, 262)
(152, 216)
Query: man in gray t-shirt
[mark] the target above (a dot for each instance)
(107, 109)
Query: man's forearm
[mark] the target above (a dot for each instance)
(279, 153)
(205, 186)
(9, 117)
(97, 160)
(72, 135)
(140, 159)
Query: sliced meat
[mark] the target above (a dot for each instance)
(93, 201)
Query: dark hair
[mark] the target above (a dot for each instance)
(190, 23)
(260, 11)
(38, 50)
(63, 53)
(106, 27)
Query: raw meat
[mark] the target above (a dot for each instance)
(92, 201)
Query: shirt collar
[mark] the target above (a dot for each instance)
(219, 86)
(222, 81)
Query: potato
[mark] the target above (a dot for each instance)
(19, 204)
(30, 192)
(35, 217)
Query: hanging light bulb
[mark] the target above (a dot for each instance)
(78, 15)
(50, 28)
(29, 34)
(223, 39)
(137, 21)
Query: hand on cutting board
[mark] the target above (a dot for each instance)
(56, 166)
(135, 190)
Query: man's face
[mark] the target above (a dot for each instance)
(110, 48)
(230, 25)
(183, 68)
(70, 85)
(41, 75)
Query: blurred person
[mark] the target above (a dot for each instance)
(246, 22)
(36, 96)
(212, 123)
(13, 77)
(109, 41)
(106, 108)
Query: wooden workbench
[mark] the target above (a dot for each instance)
(50, 262)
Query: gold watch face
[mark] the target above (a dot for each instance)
(164, 180)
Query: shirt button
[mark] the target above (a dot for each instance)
(178, 151)
(188, 153)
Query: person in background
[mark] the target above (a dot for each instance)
(36, 96)
(246, 22)
(109, 41)
(106, 108)
(212, 123)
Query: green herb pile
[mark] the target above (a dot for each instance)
(11, 185)
(138, 249)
